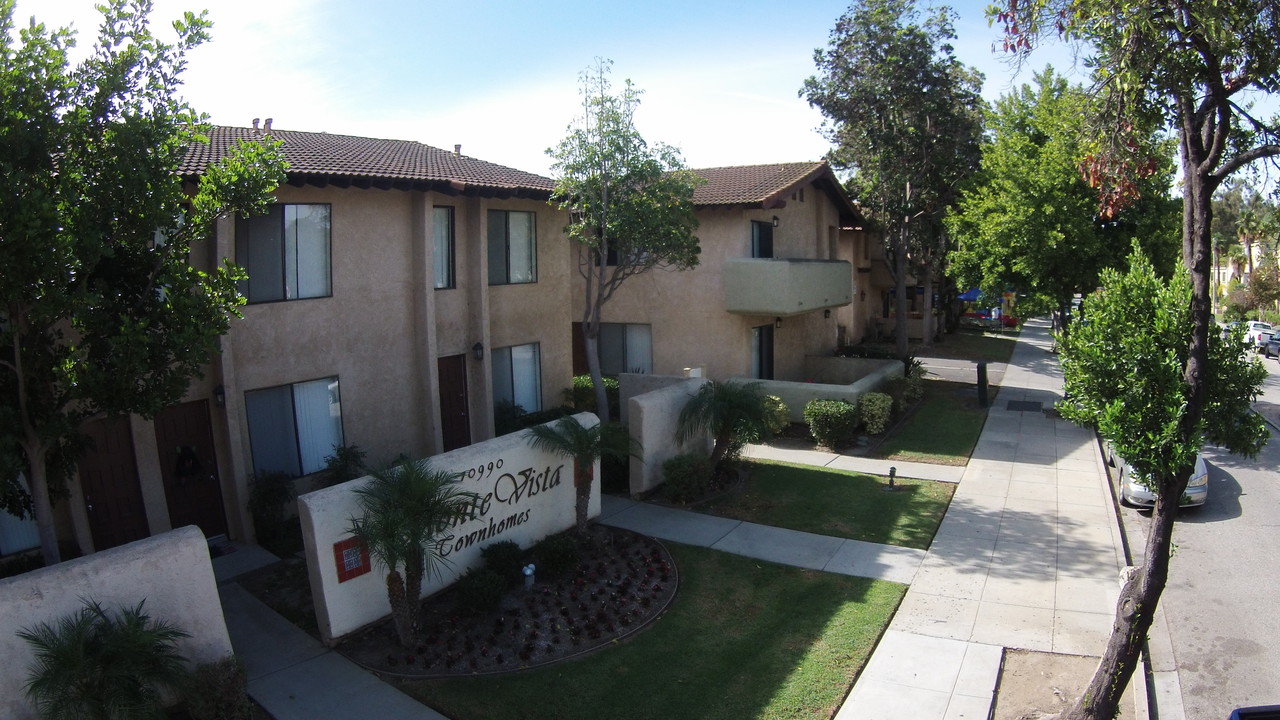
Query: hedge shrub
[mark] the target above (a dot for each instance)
(480, 591)
(876, 410)
(832, 422)
(687, 477)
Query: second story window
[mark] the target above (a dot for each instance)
(443, 234)
(513, 248)
(285, 252)
(761, 239)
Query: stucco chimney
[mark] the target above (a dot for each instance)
(255, 123)
(457, 150)
(266, 127)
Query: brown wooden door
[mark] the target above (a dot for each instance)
(184, 442)
(455, 419)
(109, 479)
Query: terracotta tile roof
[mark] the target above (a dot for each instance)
(751, 184)
(769, 186)
(324, 159)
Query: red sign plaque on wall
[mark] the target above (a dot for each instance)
(352, 559)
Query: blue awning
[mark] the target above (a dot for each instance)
(971, 296)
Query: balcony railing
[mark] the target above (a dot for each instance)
(784, 286)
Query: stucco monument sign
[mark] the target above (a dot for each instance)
(522, 495)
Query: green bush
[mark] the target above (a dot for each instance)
(480, 590)
(832, 423)
(556, 555)
(19, 564)
(687, 477)
(505, 558)
(219, 691)
(109, 667)
(270, 494)
(346, 463)
(776, 418)
(876, 410)
(509, 418)
(581, 395)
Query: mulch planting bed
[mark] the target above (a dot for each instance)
(622, 583)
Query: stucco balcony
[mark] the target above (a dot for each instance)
(785, 286)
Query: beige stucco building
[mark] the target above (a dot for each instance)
(785, 271)
(396, 293)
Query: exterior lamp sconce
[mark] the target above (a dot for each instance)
(863, 296)
(777, 322)
(775, 221)
(827, 313)
(220, 396)
(478, 351)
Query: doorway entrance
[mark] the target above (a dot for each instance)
(109, 479)
(455, 416)
(189, 467)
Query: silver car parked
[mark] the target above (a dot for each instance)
(1133, 493)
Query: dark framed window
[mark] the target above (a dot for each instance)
(293, 428)
(442, 232)
(286, 253)
(761, 239)
(513, 247)
(625, 348)
(517, 376)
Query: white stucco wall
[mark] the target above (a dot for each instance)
(526, 496)
(171, 571)
(797, 395)
(651, 420)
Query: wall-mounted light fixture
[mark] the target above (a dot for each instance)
(220, 396)
(827, 313)
(777, 322)
(775, 221)
(478, 351)
(864, 295)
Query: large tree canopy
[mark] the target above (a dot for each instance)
(1028, 221)
(100, 310)
(906, 117)
(630, 203)
(1191, 67)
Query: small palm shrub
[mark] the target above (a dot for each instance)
(729, 411)
(832, 423)
(480, 590)
(103, 666)
(504, 558)
(219, 691)
(876, 410)
(556, 555)
(687, 477)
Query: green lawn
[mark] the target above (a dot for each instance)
(943, 430)
(976, 345)
(743, 639)
(840, 504)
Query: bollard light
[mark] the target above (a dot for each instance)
(892, 472)
(528, 576)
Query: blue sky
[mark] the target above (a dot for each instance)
(720, 77)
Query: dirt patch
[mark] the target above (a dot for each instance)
(1035, 685)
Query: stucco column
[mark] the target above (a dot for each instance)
(424, 325)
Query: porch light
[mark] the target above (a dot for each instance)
(220, 396)
(478, 351)
(775, 221)
(777, 322)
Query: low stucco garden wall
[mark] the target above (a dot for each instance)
(873, 375)
(171, 571)
(634, 384)
(652, 419)
(525, 495)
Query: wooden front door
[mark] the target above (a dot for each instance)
(189, 466)
(455, 418)
(109, 479)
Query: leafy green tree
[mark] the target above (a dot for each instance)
(730, 411)
(407, 512)
(906, 117)
(584, 445)
(630, 203)
(97, 666)
(1028, 220)
(100, 311)
(1189, 67)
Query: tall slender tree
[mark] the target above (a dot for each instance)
(906, 117)
(1190, 67)
(630, 203)
(100, 310)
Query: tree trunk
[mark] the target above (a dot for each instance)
(582, 492)
(900, 316)
(929, 325)
(591, 342)
(402, 610)
(38, 485)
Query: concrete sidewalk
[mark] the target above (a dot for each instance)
(1028, 556)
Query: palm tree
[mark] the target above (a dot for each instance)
(102, 667)
(727, 410)
(408, 510)
(567, 437)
